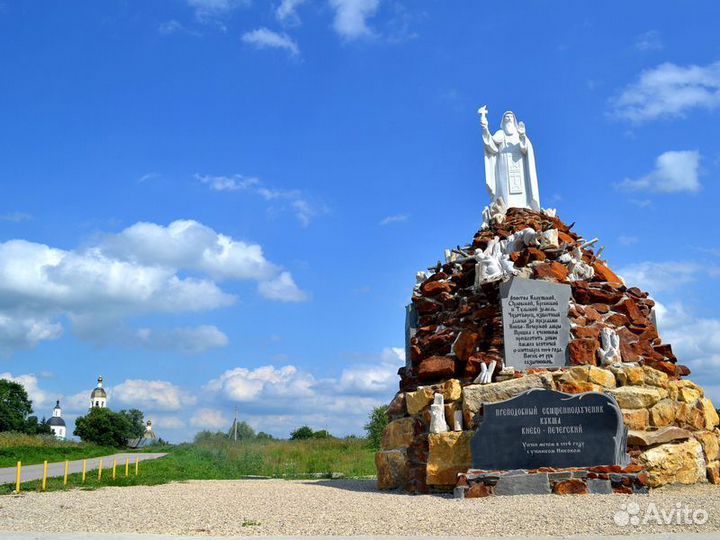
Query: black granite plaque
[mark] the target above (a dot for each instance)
(544, 428)
(535, 323)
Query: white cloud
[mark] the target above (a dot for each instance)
(286, 12)
(398, 218)
(378, 378)
(209, 419)
(244, 385)
(649, 41)
(187, 244)
(153, 395)
(38, 396)
(628, 240)
(133, 273)
(195, 340)
(660, 276)
(669, 91)
(166, 422)
(300, 206)
(674, 171)
(264, 38)
(208, 10)
(351, 17)
(15, 217)
(282, 288)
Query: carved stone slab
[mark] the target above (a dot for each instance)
(545, 428)
(535, 323)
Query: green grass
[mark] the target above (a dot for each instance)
(228, 460)
(33, 449)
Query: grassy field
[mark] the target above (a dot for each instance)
(32, 449)
(227, 460)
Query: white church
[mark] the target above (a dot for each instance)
(98, 399)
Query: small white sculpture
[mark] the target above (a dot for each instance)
(492, 263)
(458, 420)
(549, 239)
(494, 213)
(520, 240)
(609, 352)
(550, 212)
(579, 270)
(437, 415)
(510, 172)
(420, 277)
(486, 372)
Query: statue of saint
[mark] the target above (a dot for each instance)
(510, 163)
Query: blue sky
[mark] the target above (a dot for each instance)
(220, 203)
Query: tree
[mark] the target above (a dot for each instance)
(244, 432)
(15, 406)
(104, 427)
(137, 421)
(375, 427)
(322, 434)
(262, 436)
(33, 427)
(302, 433)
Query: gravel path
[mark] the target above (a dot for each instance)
(344, 507)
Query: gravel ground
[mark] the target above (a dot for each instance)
(340, 507)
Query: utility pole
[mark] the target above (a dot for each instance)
(235, 424)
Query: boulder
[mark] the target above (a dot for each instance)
(436, 368)
(637, 397)
(589, 374)
(552, 271)
(451, 390)
(465, 344)
(663, 413)
(574, 486)
(475, 395)
(709, 442)
(629, 375)
(399, 434)
(478, 490)
(583, 351)
(653, 377)
(685, 390)
(659, 436)
(392, 469)
(419, 399)
(448, 455)
(636, 419)
(674, 463)
(713, 472)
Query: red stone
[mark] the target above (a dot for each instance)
(587, 332)
(465, 345)
(479, 490)
(566, 238)
(633, 468)
(606, 469)
(583, 351)
(529, 255)
(666, 350)
(436, 368)
(592, 315)
(553, 270)
(575, 486)
(630, 308)
(624, 490)
(425, 306)
(433, 288)
(603, 273)
(601, 308)
(617, 320)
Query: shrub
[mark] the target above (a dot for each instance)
(302, 433)
(376, 426)
(104, 427)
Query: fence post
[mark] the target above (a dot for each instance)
(17, 479)
(127, 465)
(100, 470)
(84, 470)
(137, 465)
(65, 476)
(114, 467)
(44, 478)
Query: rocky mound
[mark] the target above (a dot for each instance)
(455, 332)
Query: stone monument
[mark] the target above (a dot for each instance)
(533, 368)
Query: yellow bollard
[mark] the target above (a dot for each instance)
(100, 470)
(17, 479)
(114, 467)
(84, 470)
(67, 469)
(127, 465)
(44, 480)
(137, 464)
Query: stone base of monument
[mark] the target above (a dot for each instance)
(548, 480)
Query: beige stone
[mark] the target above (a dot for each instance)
(637, 397)
(658, 436)
(637, 419)
(398, 434)
(475, 395)
(713, 472)
(663, 413)
(653, 377)
(449, 454)
(685, 390)
(419, 399)
(451, 390)
(392, 469)
(601, 377)
(629, 375)
(709, 442)
(674, 463)
(710, 413)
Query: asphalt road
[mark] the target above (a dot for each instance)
(35, 472)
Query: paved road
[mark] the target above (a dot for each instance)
(34, 472)
(97, 536)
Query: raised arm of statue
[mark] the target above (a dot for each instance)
(490, 145)
(523, 138)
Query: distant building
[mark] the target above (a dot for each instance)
(98, 397)
(148, 437)
(56, 422)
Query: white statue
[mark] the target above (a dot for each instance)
(609, 352)
(494, 213)
(437, 415)
(458, 420)
(492, 263)
(579, 270)
(510, 172)
(486, 373)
